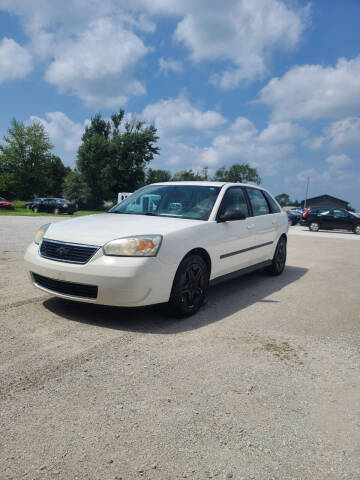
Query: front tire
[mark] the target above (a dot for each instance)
(35, 210)
(314, 227)
(279, 259)
(189, 287)
(357, 230)
(56, 211)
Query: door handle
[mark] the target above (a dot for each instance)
(274, 222)
(250, 227)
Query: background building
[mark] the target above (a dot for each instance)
(325, 201)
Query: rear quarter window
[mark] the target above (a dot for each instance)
(274, 207)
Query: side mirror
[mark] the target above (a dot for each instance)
(230, 214)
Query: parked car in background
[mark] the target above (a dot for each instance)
(53, 205)
(332, 219)
(294, 215)
(33, 203)
(311, 211)
(6, 204)
(164, 243)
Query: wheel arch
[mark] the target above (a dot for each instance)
(202, 253)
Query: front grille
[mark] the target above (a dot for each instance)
(67, 288)
(67, 252)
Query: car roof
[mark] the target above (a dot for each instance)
(210, 184)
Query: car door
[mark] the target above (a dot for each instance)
(266, 224)
(325, 218)
(232, 245)
(342, 219)
(42, 206)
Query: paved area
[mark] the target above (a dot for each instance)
(262, 384)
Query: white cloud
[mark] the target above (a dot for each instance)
(90, 47)
(334, 171)
(345, 132)
(314, 91)
(216, 142)
(178, 117)
(282, 132)
(170, 65)
(93, 50)
(15, 60)
(338, 162)
(242, 33)
(341, 135)
(99, 75)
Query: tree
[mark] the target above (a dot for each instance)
(283, 199)
(113, 157)
(75, 188)
(56, 173)
(24, 160)
(241, 173)
(131, 151)
(186, 176)
(157, 176)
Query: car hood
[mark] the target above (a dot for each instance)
(101, 228)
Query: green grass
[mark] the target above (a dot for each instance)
(19, 209)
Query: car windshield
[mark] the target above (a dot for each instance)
(182, 201)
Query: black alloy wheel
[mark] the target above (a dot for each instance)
(189, 287)
(279, 260)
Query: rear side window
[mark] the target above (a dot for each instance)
(234, 199)
(273, 205)
(258, 202)
(340, 214)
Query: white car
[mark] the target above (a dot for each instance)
(164, 243)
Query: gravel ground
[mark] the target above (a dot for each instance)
(262, 384)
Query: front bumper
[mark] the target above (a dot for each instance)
(121, 281)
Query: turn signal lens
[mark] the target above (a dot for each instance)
(40, 233)
(138, 246)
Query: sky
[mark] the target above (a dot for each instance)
(274, 83)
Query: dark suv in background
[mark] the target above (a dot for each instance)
(53, 205)
(331, 219)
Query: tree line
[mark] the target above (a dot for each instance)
(114, 156)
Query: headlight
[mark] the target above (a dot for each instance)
(138, 246)
(40, 233)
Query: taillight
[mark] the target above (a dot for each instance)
(305, 213)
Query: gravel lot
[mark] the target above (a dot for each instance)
(262, 384)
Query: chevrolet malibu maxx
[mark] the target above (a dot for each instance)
(163, 244)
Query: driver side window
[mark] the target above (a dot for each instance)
(234, 199)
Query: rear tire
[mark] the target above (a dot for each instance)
(189, 287)
(357, 230)
(279, 259)
(314, 227)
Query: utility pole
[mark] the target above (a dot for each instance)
(307, 191)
